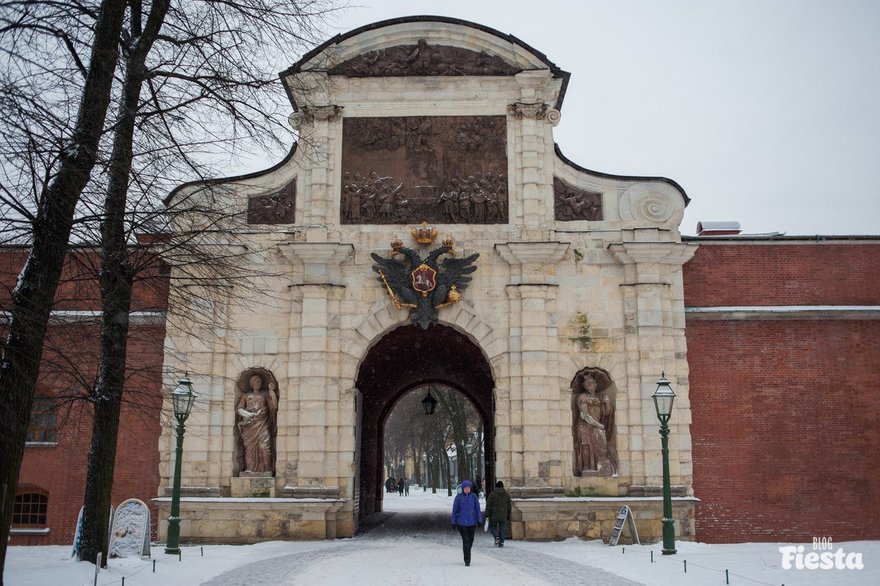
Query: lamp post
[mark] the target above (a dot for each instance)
(663, 399)
(182, 399)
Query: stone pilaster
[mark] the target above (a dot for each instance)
(319, 127)
(534, 435)
(532, 121)
(654, 342)
(322, 454)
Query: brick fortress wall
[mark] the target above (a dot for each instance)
(59, 470)
(785, 410)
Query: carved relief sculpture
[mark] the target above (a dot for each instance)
(275, 208)
(571, 203)
(423, 59)
(255, 418)
(592, 405)
(441, 169)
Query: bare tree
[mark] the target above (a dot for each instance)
(205, 65)
(454, 424)
(33, 295)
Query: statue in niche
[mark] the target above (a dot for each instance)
(255, 419)
(592, 405)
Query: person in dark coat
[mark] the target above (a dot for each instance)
(498, 512)
(466, 516)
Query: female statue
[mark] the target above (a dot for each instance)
(593, 427)
(255, 418)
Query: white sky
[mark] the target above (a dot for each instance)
(766, 112)
(429, 558)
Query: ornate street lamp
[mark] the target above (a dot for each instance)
(663, 399)
(429, 403)
(182, 399)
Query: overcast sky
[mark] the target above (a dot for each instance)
(766, 112)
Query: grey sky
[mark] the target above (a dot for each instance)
(765, 111)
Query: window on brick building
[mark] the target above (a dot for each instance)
(29, 510)
(44, 421)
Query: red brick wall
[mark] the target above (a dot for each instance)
(783, 274)
(69, 366)
(785, 412)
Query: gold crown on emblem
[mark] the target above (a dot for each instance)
(396, 243)
(424, 234)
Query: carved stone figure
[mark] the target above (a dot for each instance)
(593, 396)
(255, 418)
(439, 169)
(571, 203)
(423, 59)
(275, 208)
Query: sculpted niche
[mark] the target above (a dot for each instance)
(255, 422)
(592, 408)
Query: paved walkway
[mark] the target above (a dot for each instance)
(414, 548)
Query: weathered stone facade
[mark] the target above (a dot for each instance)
(551, 297)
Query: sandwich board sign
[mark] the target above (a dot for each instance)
(624, 516)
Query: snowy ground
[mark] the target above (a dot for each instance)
(412, 543)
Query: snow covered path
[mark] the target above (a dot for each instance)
(413, 543)
(416, 547)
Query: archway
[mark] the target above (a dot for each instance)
(405, 358)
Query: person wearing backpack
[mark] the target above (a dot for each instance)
(466, 516)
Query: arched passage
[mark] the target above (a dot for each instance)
(401, 360)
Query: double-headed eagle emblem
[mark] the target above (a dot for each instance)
(424, 285)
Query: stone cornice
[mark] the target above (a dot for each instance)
(669, 253)
(784, 312)
(70, 316)
(522, 253)
(328, 253)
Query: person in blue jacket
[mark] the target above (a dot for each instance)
(466, 517)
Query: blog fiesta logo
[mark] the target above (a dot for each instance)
(822, 557)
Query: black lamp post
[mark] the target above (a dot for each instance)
(429, 403)
(182, 398)
(663, 399)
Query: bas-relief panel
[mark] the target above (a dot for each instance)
(274, 208)
(439, 169)
(571, 203)
(423, 59)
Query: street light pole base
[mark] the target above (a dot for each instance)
(172, 550)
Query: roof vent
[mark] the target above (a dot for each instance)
(718, 228)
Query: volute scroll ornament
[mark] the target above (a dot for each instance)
(424, 285)
(309, 114)
(533, 110)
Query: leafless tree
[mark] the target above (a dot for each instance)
(194, 77)
(52, 216)
(454, 424)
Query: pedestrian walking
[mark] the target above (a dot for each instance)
(498, 512)
(466, 516)
(406, 486)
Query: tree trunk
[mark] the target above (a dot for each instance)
(117, 276)
(38, 281)
(446, 467)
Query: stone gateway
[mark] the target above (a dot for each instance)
(554, 303)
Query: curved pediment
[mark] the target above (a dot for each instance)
(424, 46)
(422, 58)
